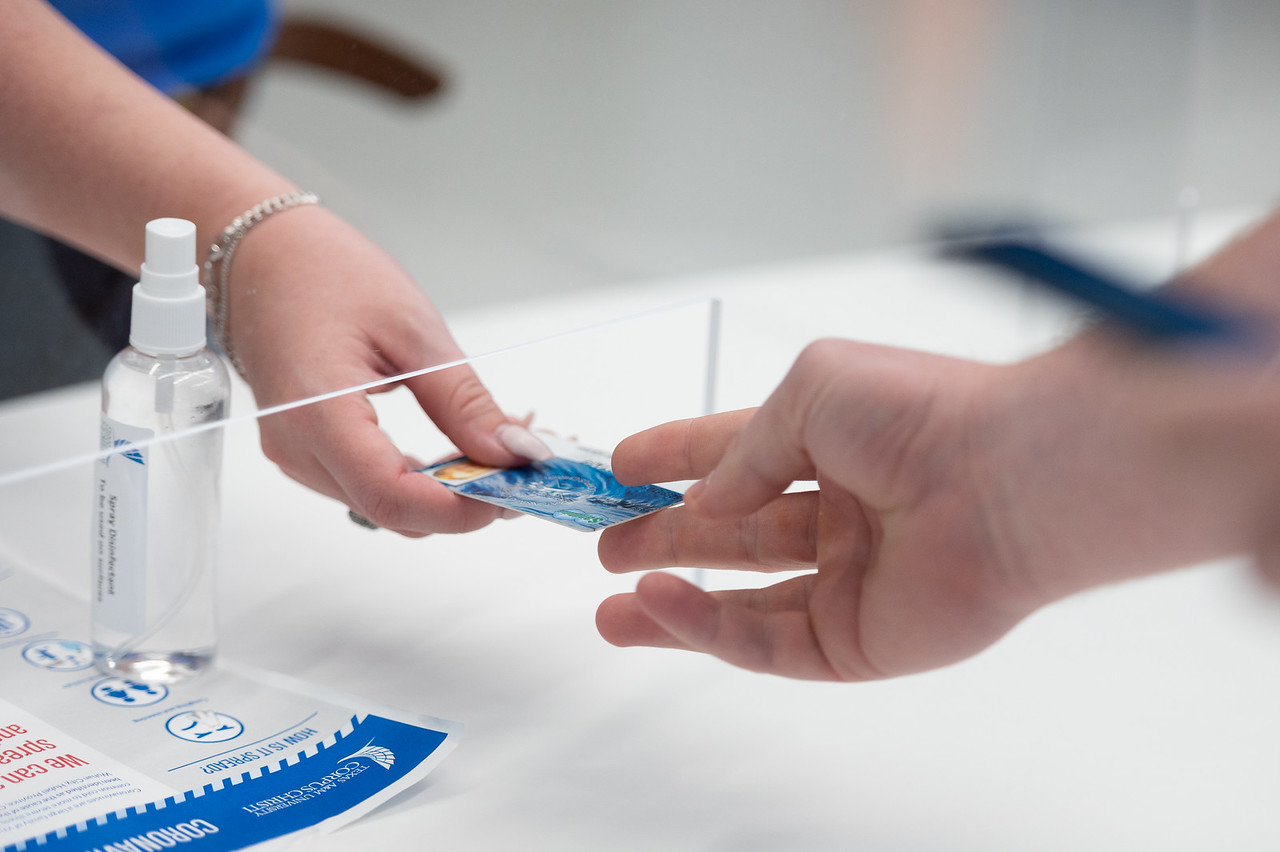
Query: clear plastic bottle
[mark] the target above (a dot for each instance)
(156, 506)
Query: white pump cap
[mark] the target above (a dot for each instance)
(168, 303)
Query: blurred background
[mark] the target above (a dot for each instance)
(571, 146)
(579, 144)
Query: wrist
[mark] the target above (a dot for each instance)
(217, 266)
(1126, 460)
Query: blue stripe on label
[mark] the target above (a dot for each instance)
(376, 754)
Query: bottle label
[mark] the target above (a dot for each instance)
(120, 529)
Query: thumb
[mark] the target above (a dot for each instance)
(852, 410)
(771, 451)
(458, 402)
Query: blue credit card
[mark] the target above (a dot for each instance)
(576, 488)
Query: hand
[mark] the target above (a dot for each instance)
(908, 576)
(315, 307)
(953, 499)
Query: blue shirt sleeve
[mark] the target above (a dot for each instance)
(178, 46)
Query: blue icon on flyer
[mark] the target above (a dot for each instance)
(12, 622)
(59, 655)
(204, 726)
(123, 692)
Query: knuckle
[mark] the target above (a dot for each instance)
(691, 446)
(470, 398)
(381, 508)
(610, 554)
(818, 355)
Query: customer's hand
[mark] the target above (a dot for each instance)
(953, 499)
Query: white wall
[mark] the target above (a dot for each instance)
(582, 143)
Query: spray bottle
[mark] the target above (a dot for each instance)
(156, 504)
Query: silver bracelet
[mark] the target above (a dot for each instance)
(217, 265)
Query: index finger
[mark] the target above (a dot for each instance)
(377, 481)
(780, 537)
(681, 449)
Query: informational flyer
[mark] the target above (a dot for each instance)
(232, 759)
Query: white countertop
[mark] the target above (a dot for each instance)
(1139, 716)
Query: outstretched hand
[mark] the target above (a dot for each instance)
(953, 499)
(908, 575)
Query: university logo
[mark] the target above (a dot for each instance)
(133, 454)
(384, 757)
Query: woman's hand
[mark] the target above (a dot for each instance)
(314, 308)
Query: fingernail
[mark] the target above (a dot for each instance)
(522, 442)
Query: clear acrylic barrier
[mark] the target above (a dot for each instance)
(596, 383)
(597, 369)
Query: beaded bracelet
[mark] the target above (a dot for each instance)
(217, 265)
